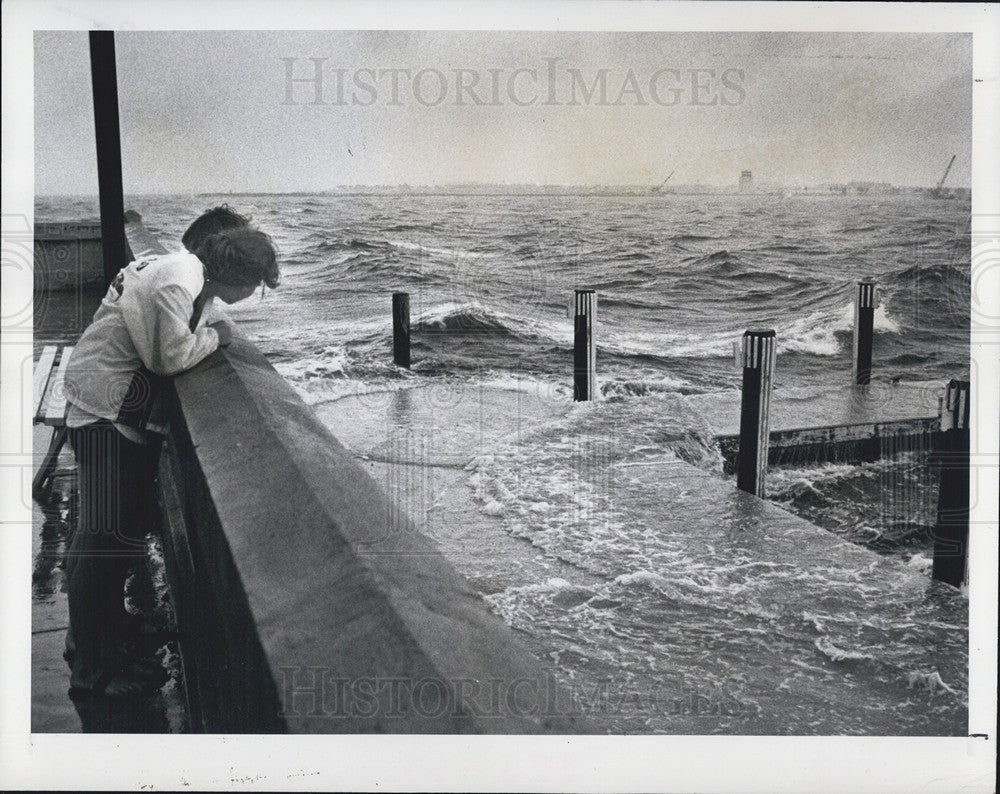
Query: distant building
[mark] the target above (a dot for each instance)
(746, 181)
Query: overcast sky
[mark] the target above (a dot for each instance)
(214, 111)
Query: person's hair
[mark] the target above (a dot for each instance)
(242, 257)
(212, 222)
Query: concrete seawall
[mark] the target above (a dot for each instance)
(289, 568)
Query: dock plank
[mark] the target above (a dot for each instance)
(43, 371)
(55, 407)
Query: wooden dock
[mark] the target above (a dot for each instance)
(848, 425)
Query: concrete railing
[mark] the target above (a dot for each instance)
(305, 603)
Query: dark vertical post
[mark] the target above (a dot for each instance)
(584, 346)
(951, 536)
(104, 79)
(758, 366)
(864, 328)
(401, 329)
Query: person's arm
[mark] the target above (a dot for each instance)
(214, 313)
(214, 317)
(161, 334)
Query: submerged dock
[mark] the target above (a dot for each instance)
(653, 607)
(847, 425)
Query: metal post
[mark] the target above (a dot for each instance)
(758, 367)
(104, 79)
(401, 329)
(865, 301)
(584, 346)
(951, 535)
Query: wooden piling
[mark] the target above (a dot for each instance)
(401, 329)
(584, 346)
(865, 301)
(758, 367)
(104, 81)
(951, 535)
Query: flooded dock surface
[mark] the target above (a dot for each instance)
(665, 599)
(805, 408)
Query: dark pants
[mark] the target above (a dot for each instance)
(115, 477)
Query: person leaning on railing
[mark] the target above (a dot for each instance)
(150, 325)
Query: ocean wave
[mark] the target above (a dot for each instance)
(526, 384)
(862, 229)
(478, 317)
(821, 333)
(448, 254)
(720, 262)
(692, 238)
(612, 389)
(828, 333)
(471, 316)
(324, 245)
(939, 273)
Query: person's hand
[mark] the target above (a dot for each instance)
(224, 331)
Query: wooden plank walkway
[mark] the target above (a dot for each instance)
(49, 408)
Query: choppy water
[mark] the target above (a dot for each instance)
(678, 279)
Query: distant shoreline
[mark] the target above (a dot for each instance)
(842, 191)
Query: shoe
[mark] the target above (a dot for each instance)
(140, 639)
(125, 681)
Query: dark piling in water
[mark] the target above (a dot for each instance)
(951, 535)
(584, 346)
(865, 301)
(401, 329)
(758, 366)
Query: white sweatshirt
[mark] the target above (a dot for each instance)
(143, 321)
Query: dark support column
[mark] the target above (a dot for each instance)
(864, 329)
(401, 329)
(584, 346)
(758, 366)
(951, 536)
(104, 78)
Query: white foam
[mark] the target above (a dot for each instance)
(826, 646)
(921, 562)
(638, 577)
(814, 333)
(882, 320)
(931, 681)
(493, 508)
(452, 254)
(526, 384)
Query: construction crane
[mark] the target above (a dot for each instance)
(659, 187)
(937, 191)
